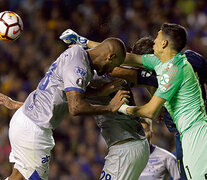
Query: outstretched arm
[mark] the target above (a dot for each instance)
(150, 110)
(9, 103)
(79, 106)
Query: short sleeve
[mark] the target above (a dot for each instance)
(169, 83)
(75, 71)
(149, 61)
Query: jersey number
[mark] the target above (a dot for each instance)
(107, 176)
(44, 82)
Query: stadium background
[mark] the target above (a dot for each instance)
(79, 151)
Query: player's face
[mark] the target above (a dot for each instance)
(158, 44)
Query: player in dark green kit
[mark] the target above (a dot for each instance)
(179, 90)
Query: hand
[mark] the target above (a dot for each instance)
(111, 87)
(71, 37)
(120, 98)
(5, 101)
(9, 103)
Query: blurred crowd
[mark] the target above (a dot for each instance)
(80, 150)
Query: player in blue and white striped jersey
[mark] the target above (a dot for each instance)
(30, 131)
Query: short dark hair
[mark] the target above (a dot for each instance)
(143, 46)
(177, 35)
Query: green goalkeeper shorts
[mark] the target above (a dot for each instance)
(194, 144)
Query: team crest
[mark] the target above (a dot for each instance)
(80, 71)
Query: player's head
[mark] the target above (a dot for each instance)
(147, 125)
(143, 46)
(108, 55)
(171, 36)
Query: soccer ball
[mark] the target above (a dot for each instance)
(11, 26)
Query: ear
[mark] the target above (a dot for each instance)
(164, 44)
(110, 57)
(151, 133)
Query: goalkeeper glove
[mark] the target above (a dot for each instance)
(71, 37)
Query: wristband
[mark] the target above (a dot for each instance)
(123, 109)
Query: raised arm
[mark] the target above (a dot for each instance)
(70, 37)
(9, 103)
(79, 106)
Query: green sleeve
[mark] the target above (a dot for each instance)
(149, 61)
(169, 83)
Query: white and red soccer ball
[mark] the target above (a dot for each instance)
(11, 26)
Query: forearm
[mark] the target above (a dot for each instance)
(11, 104)
(79, 106)
(88, 109)
(150, 110)
(17, 104)
(140, 111)
(92, 44)
(133, 60)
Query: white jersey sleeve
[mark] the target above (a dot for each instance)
(172, 166)
(76, 71)
(71, 71)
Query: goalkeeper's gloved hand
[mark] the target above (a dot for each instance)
(71, 37)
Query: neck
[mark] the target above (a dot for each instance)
(166, 55)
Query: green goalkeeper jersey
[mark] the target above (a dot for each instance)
(179, 86)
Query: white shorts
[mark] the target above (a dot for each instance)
(30, 146)
(126, 161)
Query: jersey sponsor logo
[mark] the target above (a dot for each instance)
(164, 79)
(164, 82)
(146, 73)
(79, 82)
(45, 159)
(81, 71)
(169, 66)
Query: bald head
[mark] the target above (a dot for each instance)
(116, 47)
(108, 55)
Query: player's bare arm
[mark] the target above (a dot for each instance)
(106, 89)
(79, 106)
(150, 110)
(130, 75)
(9, 103)
(133, 60)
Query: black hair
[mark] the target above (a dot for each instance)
(143, 46)
(177, 35)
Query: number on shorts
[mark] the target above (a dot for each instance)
(107, 176)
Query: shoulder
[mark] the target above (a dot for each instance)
(165, 153)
